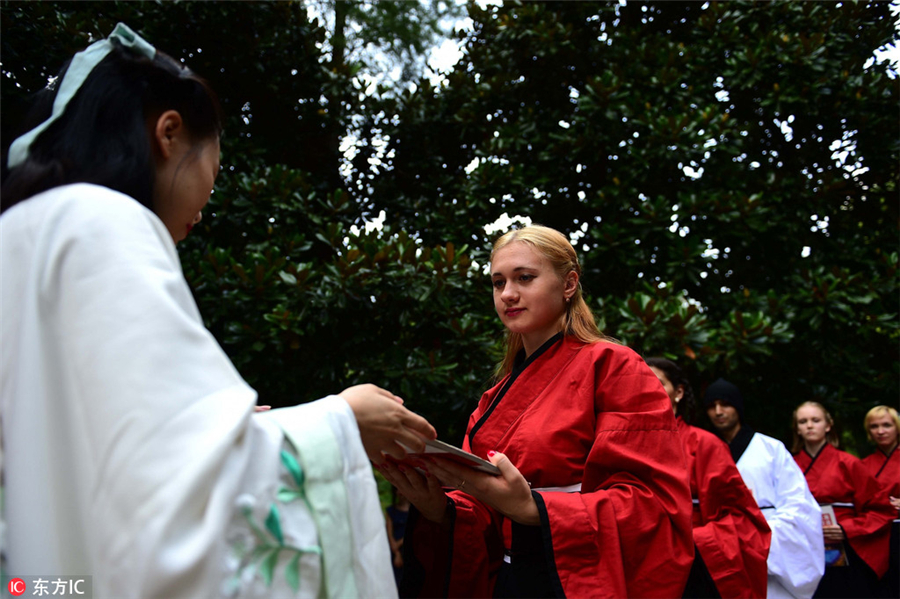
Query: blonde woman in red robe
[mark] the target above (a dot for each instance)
(593, 498)
(882, 424)
(841, 480)
(731, 536)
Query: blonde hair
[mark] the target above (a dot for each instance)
(579, 320)
(881, 411)
(831, 436)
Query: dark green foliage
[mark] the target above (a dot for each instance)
(260, 57)
(403, 32)
(582, 116)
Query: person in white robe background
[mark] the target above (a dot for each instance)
(132, 453)
(796, 559)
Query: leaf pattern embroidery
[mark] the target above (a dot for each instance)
(269, 543)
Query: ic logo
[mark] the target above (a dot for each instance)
(16, 586)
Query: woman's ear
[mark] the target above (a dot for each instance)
(571, 284)
(168, 130)
(679, 393)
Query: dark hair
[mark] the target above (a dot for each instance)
(688, 405)
(103, 135)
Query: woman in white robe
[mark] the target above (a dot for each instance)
(132, 454)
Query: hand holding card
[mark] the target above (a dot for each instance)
(445, 450)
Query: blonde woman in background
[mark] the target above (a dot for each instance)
(882, 425)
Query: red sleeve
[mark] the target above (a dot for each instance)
(869, 529)
(630, 525)
(891, 474)
(730, 531)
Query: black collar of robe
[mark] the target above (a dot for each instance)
(887, 458)
(740, 442)
(521, 361)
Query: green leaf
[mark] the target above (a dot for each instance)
(273, 524)
(292, 572)
(285, 495)
(293, 467)
(267, 566)
(288, 278)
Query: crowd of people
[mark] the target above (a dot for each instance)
(587, 481)
(567, 413)
(134, 453)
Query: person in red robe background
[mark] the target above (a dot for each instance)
(731, 535)
(882, 425)
(841, 480)
(593, 498)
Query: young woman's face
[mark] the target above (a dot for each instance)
(529, 296)
(675, 394)
(184, 183)
(883, 431)
(811, 424)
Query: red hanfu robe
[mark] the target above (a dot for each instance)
(730, 531)
(886, 470)
(590, 414)
(835, 476)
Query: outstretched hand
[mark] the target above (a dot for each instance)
(509, 493)
(384, 423)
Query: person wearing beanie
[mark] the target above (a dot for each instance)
(725, 408)
(796, 559)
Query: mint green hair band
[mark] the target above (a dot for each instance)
(81, 66)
